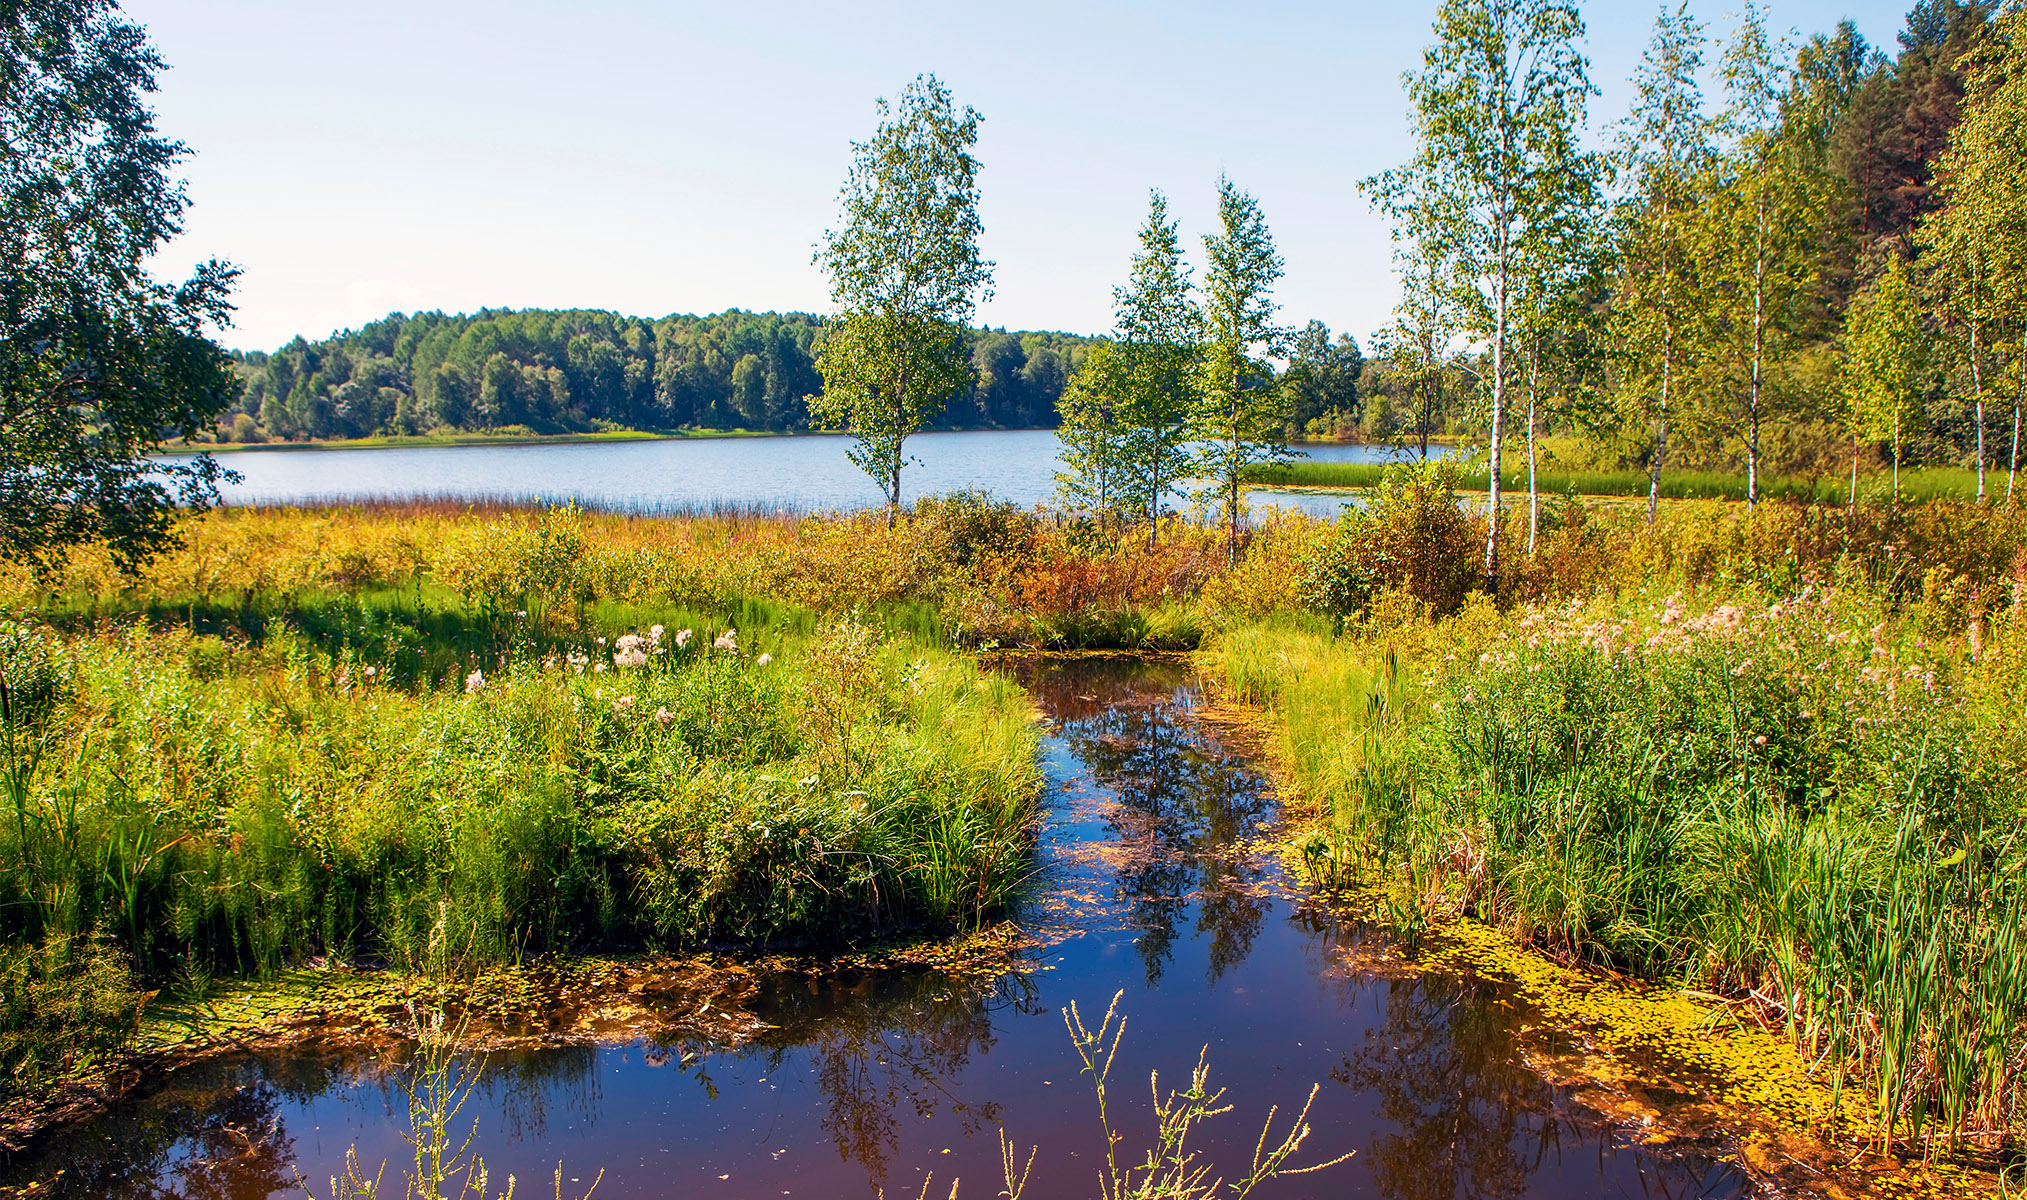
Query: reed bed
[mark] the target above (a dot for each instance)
(1916, 486)
(181, 805)
(1809, 801)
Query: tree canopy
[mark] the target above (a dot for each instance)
(99, 362)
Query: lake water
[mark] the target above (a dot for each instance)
(1150, 883)
(805, 473)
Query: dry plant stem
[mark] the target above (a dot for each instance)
(437, 1090)
(1170, 1169)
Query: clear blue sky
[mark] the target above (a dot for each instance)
(679, 157)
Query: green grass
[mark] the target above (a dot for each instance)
(380, 778)
(1811, 802)
(1923, 485)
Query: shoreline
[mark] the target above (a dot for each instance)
(425, 441)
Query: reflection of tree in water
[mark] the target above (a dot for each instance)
(880, 1041)
(210, 1135)
(529, 1085)
(1184, 803)
(1475, 1122)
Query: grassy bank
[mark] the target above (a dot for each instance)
(1919, 486)
(400, 730)
(1808, 802)
(182, 805)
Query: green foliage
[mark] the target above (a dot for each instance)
(1321, 383)
(1808, 800)
(568, 371)
(98, 362)
(1886, 361)
(659, 787)
(1131, 414)
(905, 275)
(1239, 415)
(1665, 147)
(66, 1004)
(1409, 535)
(1496, 108)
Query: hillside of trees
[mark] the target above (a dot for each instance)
(549, 371)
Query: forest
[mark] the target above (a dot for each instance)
(1750, 242)
(549, 371)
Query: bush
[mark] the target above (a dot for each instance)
(65, 1005)
(1411, 535)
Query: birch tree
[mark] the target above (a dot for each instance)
(1237, 417)
(906, 276)
(1497, 105)
(1754, 235)
(1978, 239)
(1158, 331)
(1427, 318)
(1093, 437)
(1885, 357)
(1664, 148)
(1560, 259)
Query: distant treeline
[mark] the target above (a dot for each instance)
(574, 371)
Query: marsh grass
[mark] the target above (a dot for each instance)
(1809, 803)
(1938, 483)
(197, 805)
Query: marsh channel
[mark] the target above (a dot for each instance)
(1153, 878)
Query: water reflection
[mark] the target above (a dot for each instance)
(887, 1043)
(861, 1081)
(1178, 808)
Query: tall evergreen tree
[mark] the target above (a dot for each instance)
(905, 275)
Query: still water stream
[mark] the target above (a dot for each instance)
(1150, 882)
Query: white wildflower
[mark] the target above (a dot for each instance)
(663, 716)
(475, 683)
(728, 641)
(763, 660)
(682, 639)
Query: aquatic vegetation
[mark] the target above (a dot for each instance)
(437, 1084)
(1810, 803)
(237, 807)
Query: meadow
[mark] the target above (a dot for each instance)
(1770, 757)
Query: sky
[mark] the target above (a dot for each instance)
(654, 158)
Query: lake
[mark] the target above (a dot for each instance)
(1151, 880)
(808, 472)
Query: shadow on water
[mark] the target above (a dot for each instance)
(1151, 882)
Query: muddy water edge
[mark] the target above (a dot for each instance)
(1155, 877)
